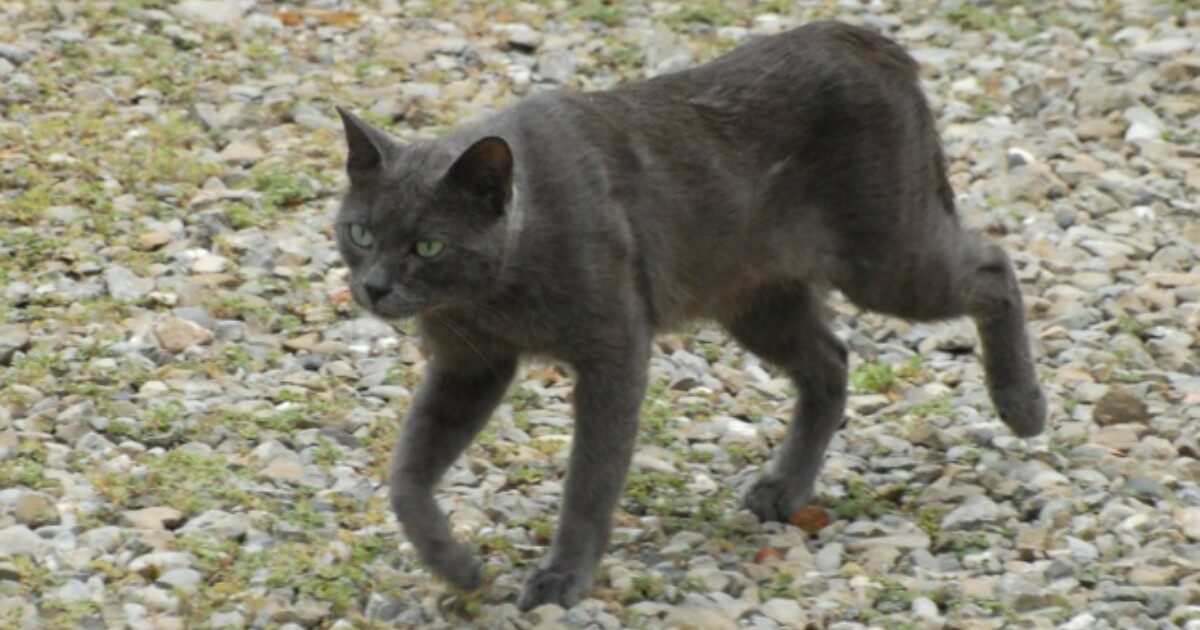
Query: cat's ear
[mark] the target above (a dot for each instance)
(486, 169)
(367, 145)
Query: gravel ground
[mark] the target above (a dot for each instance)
(194, 420)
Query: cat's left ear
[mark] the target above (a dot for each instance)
(486, 169)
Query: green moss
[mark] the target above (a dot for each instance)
(643, 587)
(606, 12)
(280, 187)
(189, 481)
(872, 376)
(63, 615)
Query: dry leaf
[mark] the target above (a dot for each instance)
(811, 519)
(767, 553)
(327, 17)
(289, 18)
(340, 297)
(548, 374)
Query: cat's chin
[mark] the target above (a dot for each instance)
(396, 313)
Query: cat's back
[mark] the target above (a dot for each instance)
(821, 66)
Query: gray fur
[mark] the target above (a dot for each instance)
(579, 224)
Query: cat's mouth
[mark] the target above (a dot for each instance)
(394, 305)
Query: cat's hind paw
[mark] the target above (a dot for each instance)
(1023, 409)
(550, 585)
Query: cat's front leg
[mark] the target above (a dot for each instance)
(607, 397)
(453, 404)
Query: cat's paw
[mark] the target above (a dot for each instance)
(774, 498)
(1023, 409)
(551, 585)
(460, 568)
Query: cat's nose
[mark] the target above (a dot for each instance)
(376, 284)
(376, 290)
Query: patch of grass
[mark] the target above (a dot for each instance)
(189, 481)
(963, 543)
(63, 615)
(970, 16)
(780, 585)
(643, 587)
(523, 399)
(894, 597)
(35, 577)
(710, 12)
(607, 12)
(282, 188)
(985, 107)
(1128, 323)
(521, 476)
(653, 492)
(874, 376)
(27, 468)
(861, 500)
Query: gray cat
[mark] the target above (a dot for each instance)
(576, 225)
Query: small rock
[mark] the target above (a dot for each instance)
(1188, 520)
(20, 540)
(157, 517)
(557, 66)
(925, 608)
(153, 240)
(521, 37)
(104, 539)
(13, 338)
(785, 611)
(546, 613)
(209, 264)
(182, 578)
(829, 558)
(219, 523)
(975, 511)
(243, 152)
(16, 54)
(177, 334)
(125, 285)
(867, 404)
(158, 562)
(305, 341)
(1168, 47)
(72, 591)
(209, 11)
(283, 468)
(1119, 405)
(693, 617)
(35, 509)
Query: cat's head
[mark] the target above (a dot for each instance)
(420, 227)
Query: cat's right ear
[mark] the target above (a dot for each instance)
(367, 146)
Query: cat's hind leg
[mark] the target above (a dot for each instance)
(962, 273)
(784, 325)
(989, 293)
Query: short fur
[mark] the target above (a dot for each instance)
(576, 225)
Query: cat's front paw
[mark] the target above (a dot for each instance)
(551, 585)
(774, 498)
(459, 567)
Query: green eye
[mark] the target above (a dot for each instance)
(429, 249)
(361, 235)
